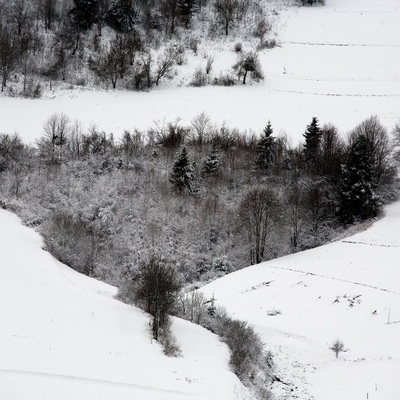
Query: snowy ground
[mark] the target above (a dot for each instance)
(339, 62)
(63, 337)
(349, 290)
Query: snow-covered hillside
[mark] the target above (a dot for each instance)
(63, 337)
(339, 62)
(301, 303)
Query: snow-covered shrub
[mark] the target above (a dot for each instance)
(267, 44)
(199, 78)
(337, 347)
(224, 80)
(156, 291)
(193, 307)
(238, 47)
(168, 341)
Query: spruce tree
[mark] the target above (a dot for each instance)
(356, 197)
(123, 14)
(312, 137)
(212, 163)
(186, 9)
(182, 175)
(266, 148)
(84, 13)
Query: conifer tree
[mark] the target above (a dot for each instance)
(182, 176)
(123, 14)
(266, 148)
(212, 163)
(312, 137)
(357, 200)
(186, 9)
(84, 13)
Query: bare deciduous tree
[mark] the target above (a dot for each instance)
(56, 134)
(8, 55)
(200, 126)
(258, 212)
(248, 63)
(157, 290)
(337, 347)
(378, 146)
(225, 11)
(165, 64)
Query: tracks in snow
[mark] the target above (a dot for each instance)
(336, 279)
(72, 378)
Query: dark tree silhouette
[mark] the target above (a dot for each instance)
(357, 200)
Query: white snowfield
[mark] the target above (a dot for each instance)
(339, 62)
(64, 337)
(300, 304)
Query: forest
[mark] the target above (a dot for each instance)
(208, 199)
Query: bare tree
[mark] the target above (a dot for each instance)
(48, 12)
(225, 11)
(337, 347)
(20, 14)
(248, 63)
(258, 212)
(157, 291)
(8, 55)
(201, 125)
(378, 146)
(56, 134)
(165, 64)
(115, 60)
(101, 15)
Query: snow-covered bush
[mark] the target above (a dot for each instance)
(337, 347)
(200, 78)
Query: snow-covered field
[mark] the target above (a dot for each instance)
(64, 337)
(339, 62)
(301, 303)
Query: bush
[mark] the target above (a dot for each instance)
(267, 44)
(199, 78)
(225, 80)
(168, 341)
(337, 347)
(157, 290)
(238, 47)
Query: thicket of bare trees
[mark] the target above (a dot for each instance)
(44, 41)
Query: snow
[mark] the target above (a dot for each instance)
(349, 289)
(339, 62)
(64, 336)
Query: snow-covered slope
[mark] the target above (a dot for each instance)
(63, 337)
(300, 304)
(339, 62)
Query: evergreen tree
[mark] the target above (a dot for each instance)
(186, 9)
(266, 148)
(212, 163)
(182, 176)
(84, 13)
(357, 200)
(312, 137)
(123, 14)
